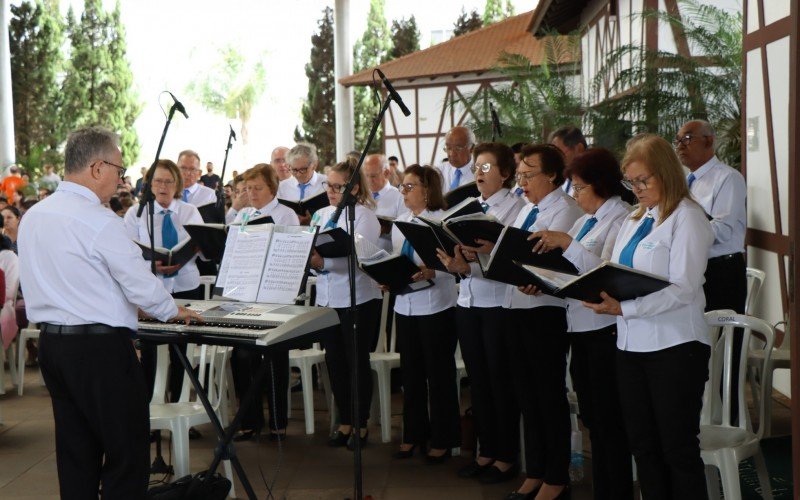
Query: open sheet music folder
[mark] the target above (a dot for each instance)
(265, 263)
(181, 253)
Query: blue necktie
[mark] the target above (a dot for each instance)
(518, 191)
(531, 218)
(376, 195)
(569, 185)
(303, 188)
(186, 195)
(330, 224)
(408, 250)
(626, 256)
(485, 207)
(169, 235)
(587, 226)
(456, 179)
(690, 179)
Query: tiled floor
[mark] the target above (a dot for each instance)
(305, 469)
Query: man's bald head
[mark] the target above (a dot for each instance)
(458, 145)
(374, 167)
(694, 143)
(278, 162)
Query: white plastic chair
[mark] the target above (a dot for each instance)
(722, 444)
(761, 380)
(755, 279)
(32, 332)
(304, 360)
(188, 412)
(382, 361)
(208, 286)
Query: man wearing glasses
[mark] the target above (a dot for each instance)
(305, 181)
(278, 162)
(193, 192)
(388, 200)
(84, 280)
(456, 171)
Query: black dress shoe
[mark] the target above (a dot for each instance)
(494, 475)
(194, 433)
(339, 439)
(245, 435)
(473, 469)
(351, 443)
(277, 436)
(403, 454)
(515, 495)
(438, 459)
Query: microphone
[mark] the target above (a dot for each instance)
(393, 93)
(233, 134)
(495, 120)
(178, 106)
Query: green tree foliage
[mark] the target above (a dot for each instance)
(662, 90)
(372, 49)
(98, 84)
(497, 10)
(36, 36)
(232, 86)
(535, 100)
(467, 22)
(319, 120)
(405, 35)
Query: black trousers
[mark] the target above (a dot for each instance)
(661, 393)
(537, 344)
(244, 364)
(594, 377)
(726, 288)
(101, 414)
(427, 346)
(481, 333)
(339, 358)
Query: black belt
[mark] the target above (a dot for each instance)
(90, 329)
(724, 258)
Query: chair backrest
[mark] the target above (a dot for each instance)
(162, 370)
(211, 362)
(722, 325)
(755, 279)
(381, 345)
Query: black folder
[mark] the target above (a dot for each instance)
(395, 272)
(211, 214)
(513, 245)
(386, 223)
(261, 219)
(333, 243)
(461, 193)
(469, 228)
(425, 241)
(309, 205)
(209, 237)
(179, 254)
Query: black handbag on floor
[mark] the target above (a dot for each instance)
(192, 488)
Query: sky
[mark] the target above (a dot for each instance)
(172, 42)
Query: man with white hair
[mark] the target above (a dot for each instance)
(457, 170)
(305, 181)
(278, 162)
(388, 200)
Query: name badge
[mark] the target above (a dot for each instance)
(591, 243)
(649, 245)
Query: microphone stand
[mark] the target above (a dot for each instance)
(158, 465)
(220, 189)
(349, 201)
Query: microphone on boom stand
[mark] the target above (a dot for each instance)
(496, 131)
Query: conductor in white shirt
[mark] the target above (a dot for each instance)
(84, 280)
(457, 170)
(662, 338)
(305, 181)
(193, 192)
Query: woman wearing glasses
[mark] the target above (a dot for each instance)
(333, 288)
(261, 184)
(535, 333)
(662, 338)
(426, 334)
(597, 189)
(478, 316)
(169, 216)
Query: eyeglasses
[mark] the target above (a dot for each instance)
(526, 176)
(164, 182)
(457, 149)
(483, 168)
(121, 169)
(685, 140)
(407, 187)
(336, 188)
(577, 188)
(636, 184)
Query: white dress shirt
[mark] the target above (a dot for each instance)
(333, 286)
(448, 173)
(722, 192)
(187, 277)
(389, 203)
(677, 249)
(557, 212)
(200, 195)
(441, 296)
(289, 189)
(475, 290)
(230, 215)
(281, 214)
(595, 247)
(78, 266)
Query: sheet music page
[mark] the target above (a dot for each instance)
(230, 245)
(247, 263)
(286, 265)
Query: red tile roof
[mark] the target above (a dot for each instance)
(474, 52)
